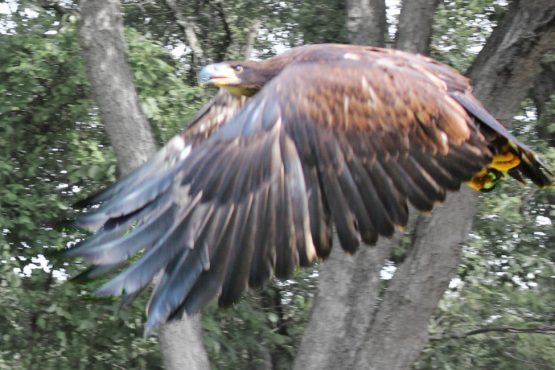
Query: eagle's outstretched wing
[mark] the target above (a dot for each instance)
(345, 143)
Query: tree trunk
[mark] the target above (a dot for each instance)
(251, 38)
(389, 332)
(510, 62)
(399, 325)
(187, 26)
(348, 288)
(544, 87)
(105, 54)
(366, 22)
(181, 345)
(541, 94)
(415, 25)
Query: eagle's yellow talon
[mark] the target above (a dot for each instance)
(503, 157)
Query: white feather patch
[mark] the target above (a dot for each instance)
(351, 56)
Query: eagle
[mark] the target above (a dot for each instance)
(319, 138)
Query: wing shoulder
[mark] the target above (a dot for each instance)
(214, 114)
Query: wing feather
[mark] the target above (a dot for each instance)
(254, 187)
(235, 280)
(264, 256)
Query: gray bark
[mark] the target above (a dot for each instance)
(541, 94)
(347, 290)
(513, 56)
(544, 87)
(399, 325)
(251, 38)
(394, 327)
(105, 54)
(366, 22)
(181, 345)
(414, 31)
(187, 26)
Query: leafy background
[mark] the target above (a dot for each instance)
(53, 151)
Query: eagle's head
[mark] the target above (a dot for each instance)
(240, 78)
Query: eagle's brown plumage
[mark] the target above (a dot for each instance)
(320, 136)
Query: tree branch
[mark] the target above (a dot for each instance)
(545, 330)
(251, 39)
(415, 25)
(526, 33)
(366, 22)
(187, 25)
(217, 6)
(105, 54)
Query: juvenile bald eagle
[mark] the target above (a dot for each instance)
(321, 136)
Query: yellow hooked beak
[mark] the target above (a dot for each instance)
(219, 74)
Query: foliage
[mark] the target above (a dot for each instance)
(53, 150)
(165, 99)
(318, 22)
(506, 280)
(52, 146)
(546, 127)
(265, 327)
(461, 28)
(222, 27)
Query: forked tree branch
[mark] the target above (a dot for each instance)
(217, 6)
(187, 26)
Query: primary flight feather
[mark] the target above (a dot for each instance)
(321, 136)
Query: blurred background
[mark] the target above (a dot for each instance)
(498, 311)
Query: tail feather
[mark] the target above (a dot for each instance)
(532, 168)
(528, 164)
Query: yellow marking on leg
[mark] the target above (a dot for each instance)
(505, 162)
(490, 175)
(486, 179)
(478, 182)
(475, 184)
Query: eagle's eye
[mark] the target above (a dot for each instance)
(238, 68)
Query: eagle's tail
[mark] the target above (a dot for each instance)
(510, 156)
(518, 162)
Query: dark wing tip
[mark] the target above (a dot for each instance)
(94, 272)
(88, 201)
(535, 170)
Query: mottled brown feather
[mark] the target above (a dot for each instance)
(337, 136)
(219, 110)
